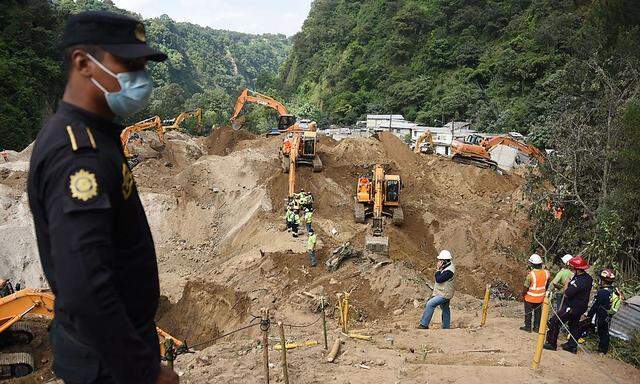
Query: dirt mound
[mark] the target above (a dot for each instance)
(223, 140)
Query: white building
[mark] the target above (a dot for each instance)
(374, 121)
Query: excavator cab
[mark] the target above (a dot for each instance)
(309, 144)
(285, 121)
(392, 191)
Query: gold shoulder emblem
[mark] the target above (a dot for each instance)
(127, 182)
(83, 185)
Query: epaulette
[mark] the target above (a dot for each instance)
(80, 137)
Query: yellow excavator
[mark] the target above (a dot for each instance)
(175, 122)
(378, 195)
(426, 135)
(16, 305)
(299, 147)
(285, 119)
(151, 123)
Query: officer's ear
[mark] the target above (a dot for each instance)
(80, 63)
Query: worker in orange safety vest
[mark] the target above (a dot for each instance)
(535, 288)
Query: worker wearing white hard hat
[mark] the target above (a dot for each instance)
(535, 288)
(560, 281)
(443, 290)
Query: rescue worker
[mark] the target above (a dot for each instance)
(311, 247)
(535, 288)
(288, 217)
(560, 281)
(604, 306)
(93, 238)
(443, 290)
(308, 219)
(576, 301)
(295, 224)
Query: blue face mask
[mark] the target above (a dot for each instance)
(135, 90)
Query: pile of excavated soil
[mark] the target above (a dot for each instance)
(223, 140)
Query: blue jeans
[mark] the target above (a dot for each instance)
(308, 227)
(431, 305)
(312, 257)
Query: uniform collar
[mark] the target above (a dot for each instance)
(91, 119)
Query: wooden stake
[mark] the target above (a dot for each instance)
(265, 342)
(485, 305)
(334, 351)
(324, 325)
(542, 330)
(283, 342)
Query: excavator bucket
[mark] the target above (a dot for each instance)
(377, 244)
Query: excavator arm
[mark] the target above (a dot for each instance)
(150, 123)
(511, 142)
(421, 139)
(249, 96)
(175, 123)
(32, 302)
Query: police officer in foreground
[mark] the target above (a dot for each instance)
(93, 237)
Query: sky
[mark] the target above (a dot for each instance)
(250, 16)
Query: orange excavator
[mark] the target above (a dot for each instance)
(16, 305)
(299, 147)
(150, 123)
(475, 150)
(378, 194)
(527, 149)
(175, 122)
(472, 154)
(285, 120)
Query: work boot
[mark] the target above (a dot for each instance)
(550, 347)
(420, 326)
(526, 329)
(570, 348)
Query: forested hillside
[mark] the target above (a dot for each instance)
(497, 63)
(206, 67)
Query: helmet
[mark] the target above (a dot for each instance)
(607, 274)
(566, 258)
(444, 255)
(579, 263)
(535, 259)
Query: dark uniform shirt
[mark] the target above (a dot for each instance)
(96, 250)
(601, 304)
(577, 293)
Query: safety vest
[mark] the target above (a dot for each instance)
(615, 302)
(537, 285)
(296, 219)
(308, 217)
(311, 242)
(289, 216)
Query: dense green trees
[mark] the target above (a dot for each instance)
(204, 65)
(489, 61)
(30, 73)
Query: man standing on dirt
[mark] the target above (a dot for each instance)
(312, 239)
(95, 244)
(443, 290)
(576, 301)
(535, 288)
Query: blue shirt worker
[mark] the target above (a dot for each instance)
(443, 290)
(94, 241)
